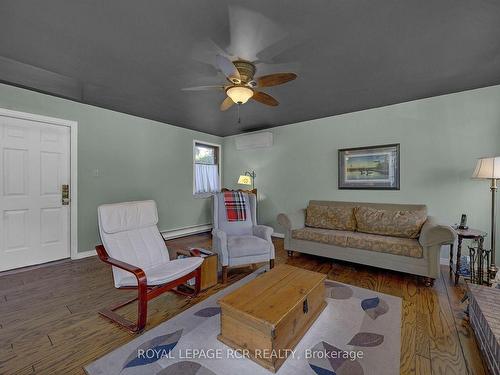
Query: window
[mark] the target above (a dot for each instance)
(206, 174)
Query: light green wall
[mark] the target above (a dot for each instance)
(440, 139)
(137, 159)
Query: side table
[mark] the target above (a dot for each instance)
(209, 276)
(464, 234)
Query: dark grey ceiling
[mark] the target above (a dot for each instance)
(135, 56)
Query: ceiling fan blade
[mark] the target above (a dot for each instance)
(206, 49)
(227, 67)
(203, 55)
(251, 32)
(203, 88)
(264, 98)
(275, 79)
(226, 104)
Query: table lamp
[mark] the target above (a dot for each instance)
(489, 169)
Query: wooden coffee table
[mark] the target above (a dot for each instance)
(268, 316)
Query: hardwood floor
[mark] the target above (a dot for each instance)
(49, 324)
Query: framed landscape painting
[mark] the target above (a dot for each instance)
(375, 167)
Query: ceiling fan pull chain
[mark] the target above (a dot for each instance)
(239, 118)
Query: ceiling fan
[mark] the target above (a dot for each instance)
(242, 85)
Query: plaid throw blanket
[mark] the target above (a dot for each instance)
(235, 206)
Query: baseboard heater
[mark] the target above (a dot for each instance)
(186, 231)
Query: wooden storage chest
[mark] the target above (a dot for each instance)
(268, 316)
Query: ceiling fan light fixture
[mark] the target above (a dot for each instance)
(239, 94)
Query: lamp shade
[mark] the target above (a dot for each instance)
(488, 168)
(239, 94)
(245, 180)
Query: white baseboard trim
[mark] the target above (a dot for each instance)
(84, 254)
(278, 235)
(186, 231)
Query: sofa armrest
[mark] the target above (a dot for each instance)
(295, 220)
(433, 234)
(219, 244)
(289, 222)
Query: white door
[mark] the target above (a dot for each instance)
(34, 165)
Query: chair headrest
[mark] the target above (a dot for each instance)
(120, 217)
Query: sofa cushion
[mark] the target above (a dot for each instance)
(385, 244)
(326, 236)
(329, 217)
(397, 223)
(242, 246)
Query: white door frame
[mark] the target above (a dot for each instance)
(73, 154)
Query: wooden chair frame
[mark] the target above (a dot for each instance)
(145, 292)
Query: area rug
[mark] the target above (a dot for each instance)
(357, 333)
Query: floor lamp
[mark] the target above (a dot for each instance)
(489, 169)
(248, 179)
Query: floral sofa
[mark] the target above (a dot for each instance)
(400, 237)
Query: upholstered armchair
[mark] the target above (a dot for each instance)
(240, 242)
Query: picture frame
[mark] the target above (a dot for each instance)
(369, 168)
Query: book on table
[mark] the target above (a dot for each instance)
(204, 252)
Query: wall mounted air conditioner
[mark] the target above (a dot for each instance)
(254, 140)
